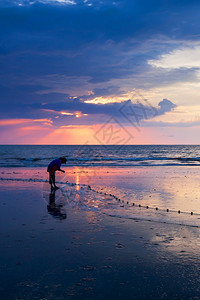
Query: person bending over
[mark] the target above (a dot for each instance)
(52, 168)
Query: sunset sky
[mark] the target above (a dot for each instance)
(99, 72)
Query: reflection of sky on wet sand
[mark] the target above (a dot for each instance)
(173, 188)
(77, 182)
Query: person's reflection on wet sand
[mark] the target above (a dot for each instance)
(53, 209)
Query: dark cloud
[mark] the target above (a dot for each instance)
(104, 48)
(127, 112)
(165, 106)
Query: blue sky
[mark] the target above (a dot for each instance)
(88, 57)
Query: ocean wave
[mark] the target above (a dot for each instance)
(102, 161)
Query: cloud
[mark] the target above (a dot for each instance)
(165, 106)
(80, 113)
(184, 124)
(21, 3)
(14, 122)
(184, 57)
(52, 52)
(55, 1)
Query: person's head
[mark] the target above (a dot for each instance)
(63, 160)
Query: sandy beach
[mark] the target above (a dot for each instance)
(70, 246)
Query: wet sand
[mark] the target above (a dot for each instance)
(73, 252)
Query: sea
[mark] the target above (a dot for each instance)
(100, 155)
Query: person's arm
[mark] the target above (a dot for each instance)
(61, 170)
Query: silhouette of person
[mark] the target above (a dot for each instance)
(52, 168)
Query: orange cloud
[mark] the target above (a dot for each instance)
(30, 128)
(77, 114)
(66, 113)
(12, 122)
(7, 122)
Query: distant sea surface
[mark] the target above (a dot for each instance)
(85, 155)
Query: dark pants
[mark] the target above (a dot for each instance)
(52, 179)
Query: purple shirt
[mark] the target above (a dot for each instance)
(54, 165)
